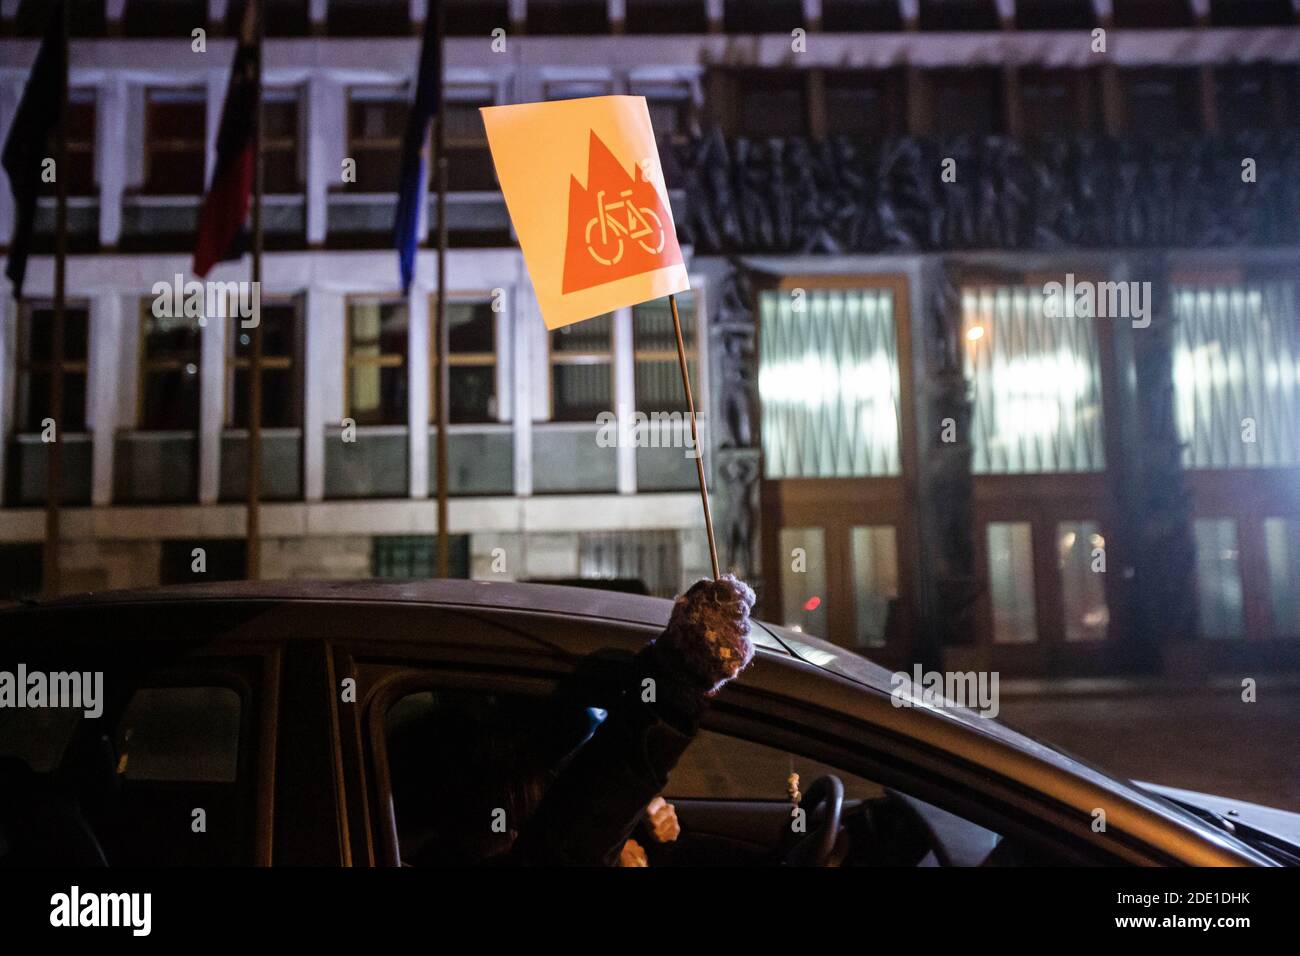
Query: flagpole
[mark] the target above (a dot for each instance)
(442, 388)
(54, 471)
(695, 435)
(253, 532)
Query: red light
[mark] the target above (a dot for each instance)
(812, 604)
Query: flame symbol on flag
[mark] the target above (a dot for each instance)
(618, 226)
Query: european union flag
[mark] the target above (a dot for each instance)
(28, 145)
(412, 189)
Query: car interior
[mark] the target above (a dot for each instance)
(456, 757)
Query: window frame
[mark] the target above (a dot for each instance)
(270, 363)
(382, 360)
(399, 94)
(690, 341)
(465, 359)
(609, 358)
(155, 147)
(147, 366)
(24, 366)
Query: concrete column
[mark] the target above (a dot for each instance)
(521, 315)
(8, 371)
(323, 385)
(112, 397)
(212, 411)
(326, 138)
(111, 146)
(624, 399)
(419, 375)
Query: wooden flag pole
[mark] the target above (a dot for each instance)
(441, 377)
(54, 465)
(695, 435)
(253, 531)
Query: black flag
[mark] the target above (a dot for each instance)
(27, 147)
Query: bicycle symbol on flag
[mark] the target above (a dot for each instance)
(608, 248)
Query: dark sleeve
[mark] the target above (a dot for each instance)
(600, 795)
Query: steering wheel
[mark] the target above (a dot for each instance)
(823, 803)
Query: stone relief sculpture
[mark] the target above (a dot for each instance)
(843, 196)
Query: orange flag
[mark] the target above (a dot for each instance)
(586, 194)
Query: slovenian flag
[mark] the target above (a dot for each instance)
(221, 234)
(412, 189)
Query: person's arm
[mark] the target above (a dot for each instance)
(589, 811)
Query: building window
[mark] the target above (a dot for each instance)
(163, 18)
(469, 161)
(966, 101)
(1037, 384)
(762, 16)
(1011, 582)
(875, 583)
(567, 17)
(410, 557)
(79, 171)
(582, 370)
(175, 142)
(376, 362)
(1237, 374)
(1055, 102)
(472, 362)
(466, 17)
(1152, 13)
(955, 15)
(772, 103)
(651, 559)
(1282, 550)
(829, 381)
(1218, 578)
(1243, 97)
(281, 369)
(368, 18)
(376, 125)
(284, 18)
(36, 368)
(1079, 545)
(861, 16)
(865, 105)
(658, 373)
(574, 89)
(281, 162)
(664, 16)
(169, 372)
(1251, 13)
(1055, 15)
(1161, 101)
(803, 592)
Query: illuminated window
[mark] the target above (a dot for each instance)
(377, 341)
(1282, 548)
(828, 378)
(1081, 556)
(1218, 578)
(1011, 582)
(803, 580)
(875, 582)
(1037, 384)
(1237, 375)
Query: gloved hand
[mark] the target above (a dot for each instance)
(707, 638)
